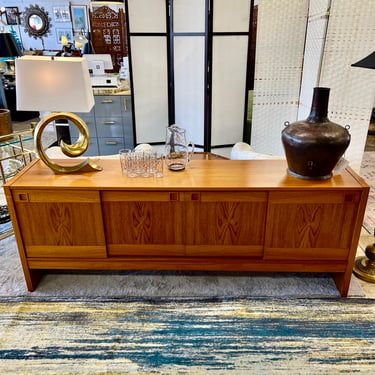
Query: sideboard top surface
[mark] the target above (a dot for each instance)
(199, 174)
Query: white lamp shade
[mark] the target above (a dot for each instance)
(53, 84)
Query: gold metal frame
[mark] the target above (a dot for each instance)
(16, 142)
(73, 150)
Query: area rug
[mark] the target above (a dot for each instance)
(367, 172)
(248, 336)
(56, 286)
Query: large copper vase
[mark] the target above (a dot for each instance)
(315, 145)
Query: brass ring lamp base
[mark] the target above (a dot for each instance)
(364, 266)
(73, 150)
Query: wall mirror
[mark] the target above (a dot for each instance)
(36, 21)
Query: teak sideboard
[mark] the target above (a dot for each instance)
(223, 215)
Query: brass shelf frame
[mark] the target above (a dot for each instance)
(14, 146)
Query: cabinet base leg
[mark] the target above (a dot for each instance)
(342, 281)
(32, 279)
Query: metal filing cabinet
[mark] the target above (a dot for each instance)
(110, 125)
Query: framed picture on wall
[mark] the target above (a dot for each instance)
(11, 14)
(61, 14)
(79, 17)
(67, 32)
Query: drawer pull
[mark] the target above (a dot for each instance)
(174, 196)
(195, 197)
(107, 101)
(23, 197)
(111, 143)
(109, 122)
(124, 101)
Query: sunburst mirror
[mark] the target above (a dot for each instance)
(36, 21)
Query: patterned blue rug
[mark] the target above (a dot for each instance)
(239, 336)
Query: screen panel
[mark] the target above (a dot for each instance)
(231, 16)
(189, 16)
(189, 68)
(147, 16)
(150, 86)
(228, 88)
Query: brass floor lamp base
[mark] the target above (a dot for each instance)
(364, 266)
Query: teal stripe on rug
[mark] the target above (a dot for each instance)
(188, 337)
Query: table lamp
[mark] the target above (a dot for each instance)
(60, 84)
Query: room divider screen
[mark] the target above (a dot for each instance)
(189, 65)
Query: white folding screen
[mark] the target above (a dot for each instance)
(350, 37)
(278, 67)
(229, 69)
(172, 65)
(334, 40)
(149, 68)
(314, 48)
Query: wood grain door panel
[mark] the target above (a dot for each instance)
(60, 224)
(143, 223)
(310, 225)
(225, 223)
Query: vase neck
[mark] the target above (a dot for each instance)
(319, 106)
